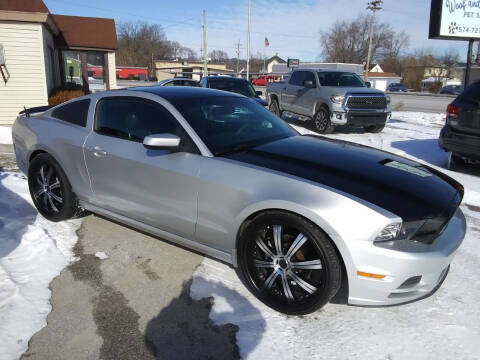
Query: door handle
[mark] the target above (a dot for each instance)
(98, 151)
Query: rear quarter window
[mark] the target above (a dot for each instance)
(75, 112)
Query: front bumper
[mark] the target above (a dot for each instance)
(359, 118)
(459, 143)
(413, 270)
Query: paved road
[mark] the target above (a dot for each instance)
(422, 103)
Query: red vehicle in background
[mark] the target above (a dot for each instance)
(132, 73)
(263, 79)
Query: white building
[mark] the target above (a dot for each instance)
(40, 51)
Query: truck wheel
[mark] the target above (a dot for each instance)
(274, 108)
(374, 128)
(321, 121)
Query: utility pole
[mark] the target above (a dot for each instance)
(374, 6)
(205, 67)
(248, 40)
(238, 45)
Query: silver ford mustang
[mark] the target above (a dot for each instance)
(299, 217)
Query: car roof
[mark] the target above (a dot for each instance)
(183, 92)
(323, 70)
(224, 77)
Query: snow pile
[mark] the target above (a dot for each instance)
(32, 252)
(443, 326)
(5, 135)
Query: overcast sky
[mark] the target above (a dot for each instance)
(292, 27)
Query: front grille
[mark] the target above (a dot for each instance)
(367, 102)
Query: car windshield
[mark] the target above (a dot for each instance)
(236, 86)
(340, 79)
(230, 124)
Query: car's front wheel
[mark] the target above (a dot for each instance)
(50, 189)
(288, 263)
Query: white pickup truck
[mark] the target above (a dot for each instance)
(329, 98)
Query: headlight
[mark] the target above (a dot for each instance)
(389, 232)
(399, 231)
(388, 99)
(337, 99)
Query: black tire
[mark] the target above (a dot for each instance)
(321, 121)
(454, 161)
(374, 128)
(297, 287)
(50, 190)
(275, 108)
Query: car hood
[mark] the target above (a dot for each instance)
(406, 188)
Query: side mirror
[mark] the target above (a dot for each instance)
(308, 84)
(161, 141)
(368, 83)
(258, 93)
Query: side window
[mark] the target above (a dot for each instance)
(309, 77)
(133, 118)
(203, 82)
(74, 113)
(297, 78)
(170, 83)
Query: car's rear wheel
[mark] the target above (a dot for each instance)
(454, 161)
(275, 108)
(374, 128)
(321, 121)
(50, 189)
(288, 263)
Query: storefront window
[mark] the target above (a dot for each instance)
(95, 67)
(73, 68)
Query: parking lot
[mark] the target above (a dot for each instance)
(130, 295)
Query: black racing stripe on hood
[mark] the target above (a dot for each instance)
(399, 185)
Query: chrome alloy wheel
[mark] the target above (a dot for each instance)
(321, 121)
(286, 266)
(47, 191)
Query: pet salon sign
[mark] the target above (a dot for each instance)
(455, 19)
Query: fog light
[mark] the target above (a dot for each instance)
(339, 116)
(370, 275)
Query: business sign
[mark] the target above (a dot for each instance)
(455, 19)
(293, 63)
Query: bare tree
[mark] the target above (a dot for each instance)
(347, 41)
(218, 55)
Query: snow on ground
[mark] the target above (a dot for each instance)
(443, 326)
(5, 135)
(32, 252)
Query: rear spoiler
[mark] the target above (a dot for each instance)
(33, 110)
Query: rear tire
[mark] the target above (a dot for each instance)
(51, 191)
(296, 275)
(275, 108)
(321, 122)
(374, 128)
(454, 161)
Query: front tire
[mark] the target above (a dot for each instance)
(50, 189)
(288, 263)
(374, 128)
(321, 121)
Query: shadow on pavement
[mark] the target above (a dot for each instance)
(184, 330)
(15, 215)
